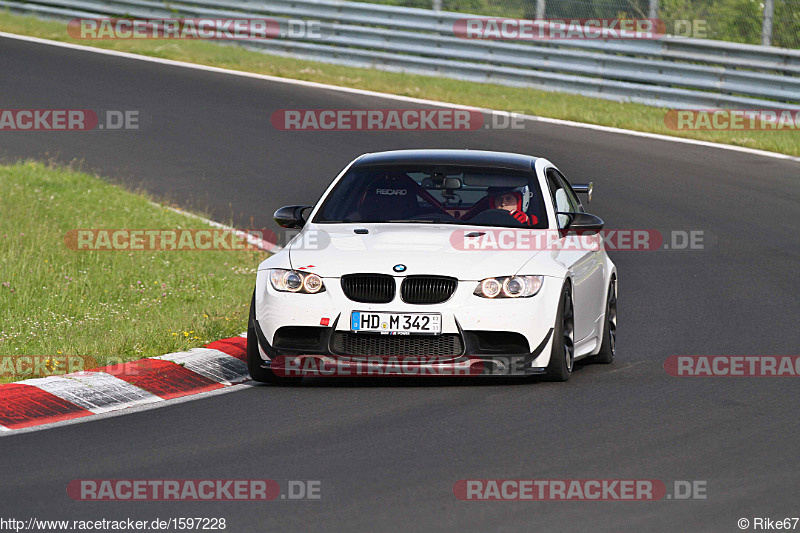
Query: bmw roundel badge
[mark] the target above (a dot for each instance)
(399, 268)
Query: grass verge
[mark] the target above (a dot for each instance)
(530, 101)
(108, 305)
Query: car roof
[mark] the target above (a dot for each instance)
(477, 158)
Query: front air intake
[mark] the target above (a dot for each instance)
(347, 343)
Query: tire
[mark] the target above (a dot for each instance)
(254, 361)
(609, 347)
(562, 355)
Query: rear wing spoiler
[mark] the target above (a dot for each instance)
(585, 188)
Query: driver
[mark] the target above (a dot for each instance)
(511, 200)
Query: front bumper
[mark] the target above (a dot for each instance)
(494, 337)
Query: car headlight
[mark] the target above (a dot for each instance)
(295, 281)
(509, 287)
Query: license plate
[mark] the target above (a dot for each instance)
(396, 323)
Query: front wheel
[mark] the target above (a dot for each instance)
(254, 361)
(609, 347)
(562, 355)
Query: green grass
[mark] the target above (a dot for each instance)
(106, 304)
(546, 104)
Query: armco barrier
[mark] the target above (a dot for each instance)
(668, 72)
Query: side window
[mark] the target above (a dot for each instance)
(572, 198)
(560, 195)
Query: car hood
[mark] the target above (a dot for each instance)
(332, 250)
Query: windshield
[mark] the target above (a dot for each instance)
(451, 195)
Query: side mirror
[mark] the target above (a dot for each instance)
(291, 216)
(585, 188)
(583, 222)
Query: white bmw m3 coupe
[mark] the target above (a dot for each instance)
(436, 262)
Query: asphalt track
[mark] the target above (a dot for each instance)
(388, 453)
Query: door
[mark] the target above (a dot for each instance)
(584, 261)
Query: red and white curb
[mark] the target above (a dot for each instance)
(36, 402)
(153, 381)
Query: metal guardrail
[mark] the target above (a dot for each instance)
(668, 72)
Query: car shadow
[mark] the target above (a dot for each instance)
(426, 381)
